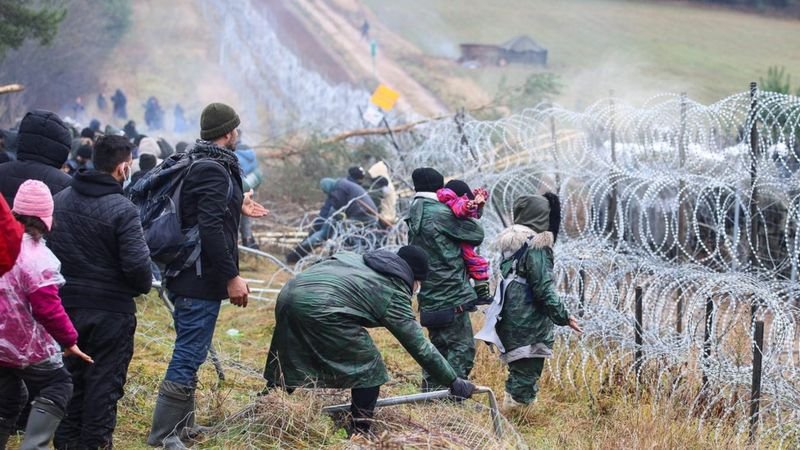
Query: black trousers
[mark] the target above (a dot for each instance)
(362, 407)
(92, 413)
(50, 380)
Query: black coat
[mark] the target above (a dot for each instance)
(204, 201)
(43, 145)
(97, 235)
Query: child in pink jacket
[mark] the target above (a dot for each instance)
(468, 204)
(32, 325)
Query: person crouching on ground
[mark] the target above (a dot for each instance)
(320, 337)
(32, 320)
(530, 305)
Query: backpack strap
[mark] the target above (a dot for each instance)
(194, 232)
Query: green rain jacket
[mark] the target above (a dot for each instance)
(434, 227)
(320, 337)
(528, 316)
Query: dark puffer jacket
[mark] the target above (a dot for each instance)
(204, 202)
(42, 148)
(98, 238)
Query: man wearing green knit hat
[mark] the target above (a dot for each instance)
(212, 199)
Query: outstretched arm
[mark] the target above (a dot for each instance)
(400, 321)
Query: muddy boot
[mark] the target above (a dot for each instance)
(510, 405)
(174, 409)
(42, 423)
(192, 432)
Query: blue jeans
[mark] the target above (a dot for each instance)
(195, 320)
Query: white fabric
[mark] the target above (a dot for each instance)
(488, 333)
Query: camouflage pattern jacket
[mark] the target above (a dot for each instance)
(531, 305)
(320, 337)
(434, 227)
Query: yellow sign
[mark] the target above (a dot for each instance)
(384, 97)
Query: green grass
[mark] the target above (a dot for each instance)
(563, 417)
(638, 49)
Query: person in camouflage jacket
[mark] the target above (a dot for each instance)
(320, 338)
(446, 296)
(530, 305)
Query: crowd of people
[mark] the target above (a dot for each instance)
(76, 252)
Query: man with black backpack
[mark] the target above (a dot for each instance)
(211, 201)
(98, 238)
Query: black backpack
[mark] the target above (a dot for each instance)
(158, 196)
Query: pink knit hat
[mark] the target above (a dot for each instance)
(34, 199)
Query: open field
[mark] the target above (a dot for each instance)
(561, 418)
(638, 49)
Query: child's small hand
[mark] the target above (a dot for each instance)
(481, 195)
(75, 351)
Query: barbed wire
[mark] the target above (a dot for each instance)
(697, 205)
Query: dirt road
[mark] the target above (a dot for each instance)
(347, 41)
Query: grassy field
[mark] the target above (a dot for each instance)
(563, 417)
(638, 49)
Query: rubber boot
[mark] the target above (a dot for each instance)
(192, 431)
(510, 405)
(42, 423)
(174, 408)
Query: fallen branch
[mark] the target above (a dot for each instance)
(11, 88)
(387, 130)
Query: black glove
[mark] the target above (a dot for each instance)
(461, 388)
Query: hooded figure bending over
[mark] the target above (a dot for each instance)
(322, 315)
(526, 306)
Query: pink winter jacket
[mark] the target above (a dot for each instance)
(32, 319)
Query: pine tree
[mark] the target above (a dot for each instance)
(20, 21)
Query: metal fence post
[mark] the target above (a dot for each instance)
(755, 393)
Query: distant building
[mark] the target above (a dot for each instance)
(520, 50)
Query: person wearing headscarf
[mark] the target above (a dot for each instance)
(526, 307)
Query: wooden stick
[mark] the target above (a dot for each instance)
(11, 88)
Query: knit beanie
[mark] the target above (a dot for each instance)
(427, 179)
(417, 260)
(216, 120)
(356, 173)
(327, 184)
(34, 199)
(460, 188)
